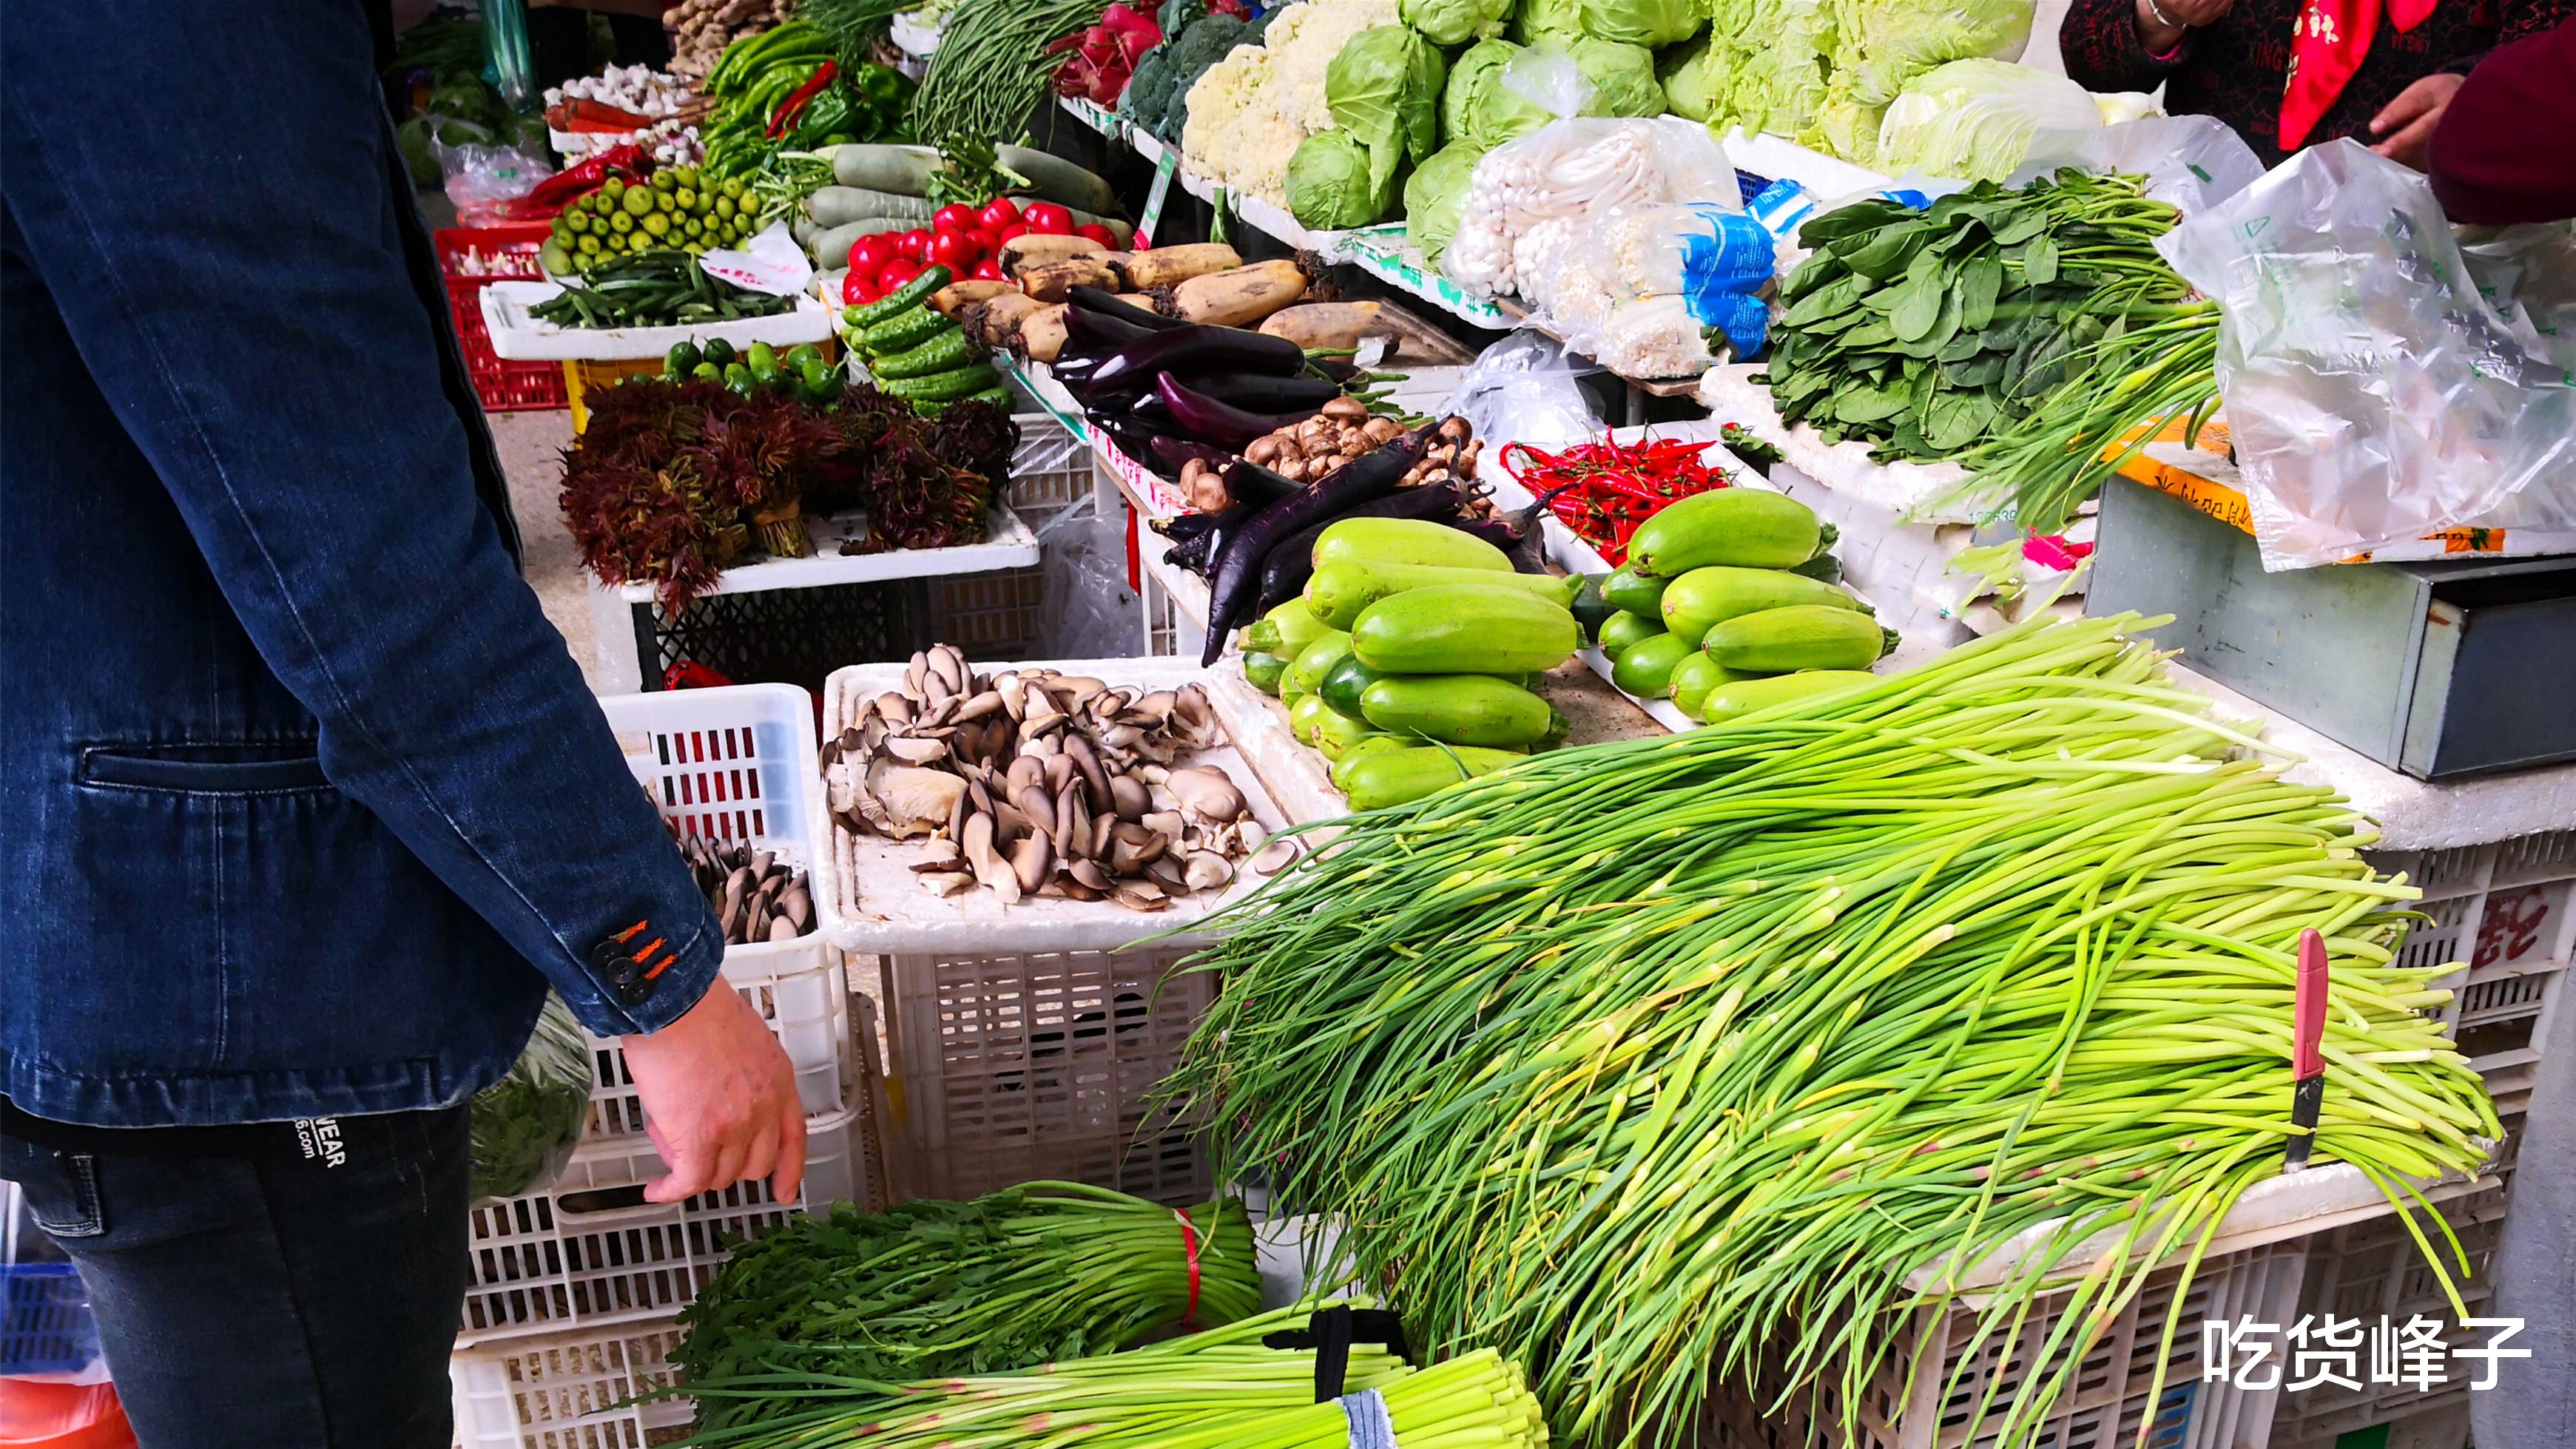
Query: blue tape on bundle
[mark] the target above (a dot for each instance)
(1371, 1426)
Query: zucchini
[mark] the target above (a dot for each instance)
(1627, 589)
(1460, 709)
(1381, 778)
(1743, 697)
(941, 387)
(902, 299)
(1336, 732)
(1262, 671)
(1625, 630)
(1591, 610)
(1803, 636)
(1693, 678)
(902, 330)
(1738, 527)
(1337, 592)
(945, 349)
(1646, 670)
(1306, 718)
(1362, 748)
(1406, 541)
(1306, 672)
(1464, 629)
(1284, 630)
(1345, 682)
(1704, 597)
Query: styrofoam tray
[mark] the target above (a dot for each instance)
(870, 901)
(518, 337)
(1731, 395)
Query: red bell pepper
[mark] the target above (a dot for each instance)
(792, 107)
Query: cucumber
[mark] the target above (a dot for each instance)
(1406, 541)
(1461, 709)
(1646, 670)
(902, 330)
(1385, 777)
(942, 387)
(1591, 610)
(1803, 636)
(1693, 678)
(1361, 749)
(945, 348)
(1306, 672)
(1704, 597)
(1738, 527)
(1262, 671)
(1464, 629)
(1337, 592)
(1743, 697)
(1343, 684)
(902, 299)
(1626, 630)
(1627, 589)
(1284, 630)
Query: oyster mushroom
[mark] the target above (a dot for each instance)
(1129, 797)
(948, 882)
(916, 751)
(939, 853)
(916, 801)
(1205, 792)
(1089, 873)
(1206, 870)
(1032, 862)
(1028, 770)
(1095, 779)
(1275, 856)
(1140, 896)
(990, 867)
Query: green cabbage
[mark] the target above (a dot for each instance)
(1641, 22)
(1455, 22)
(1975, 119)
(1335, 181)
(1477, 108)
(1384, 88)
(1882, 44)
(1435, 196)
(1622, 76)
(1538, 20)
(1694, 78)
(1775, 57)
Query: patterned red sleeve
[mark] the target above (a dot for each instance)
(2099, 39)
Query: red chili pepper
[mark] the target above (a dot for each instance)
(1603, 491)
(797, 99)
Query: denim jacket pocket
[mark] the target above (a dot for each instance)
(204, 769)
(61, 1189)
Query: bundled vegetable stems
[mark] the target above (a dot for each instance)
(1224, 1389)
(1046, 1270)
(1642, 1059)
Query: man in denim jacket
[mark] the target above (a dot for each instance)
(297, 782)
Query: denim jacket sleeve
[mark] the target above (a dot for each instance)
(235, 283)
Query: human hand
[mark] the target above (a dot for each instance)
(2407, 123)
(2163, 23)
(719, 1100)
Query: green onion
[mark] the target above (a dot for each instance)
(1652, 1063)
(1217, 1390)
(1043, 1271)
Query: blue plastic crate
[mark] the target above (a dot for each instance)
(45, 1327)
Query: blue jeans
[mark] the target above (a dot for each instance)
(261, 1298)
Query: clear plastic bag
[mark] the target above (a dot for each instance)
(522, 1129)
(2374, 395)
(2194, 162)
(1091, 613)
(1523, 389)
(479, 178)
(1571, 170)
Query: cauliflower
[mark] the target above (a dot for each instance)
(1247, 114)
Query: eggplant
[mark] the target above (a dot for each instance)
(1195, 350)
(1256, 393)
(1224, 424)
(1177, 451)
(1134, 436)
(1284, 573)
(1182, 527)
(1104, 304)
(1251, 480)
(1237, 576)
(1222, 536)
(1098, 332)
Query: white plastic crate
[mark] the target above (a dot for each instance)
(800, 989)
(2507, 913)
(2372, 1269)
(1050, 472)
(996, 615)
(1009, 1068)
(568, 1390)
(2105, 1404)
(591, 1252)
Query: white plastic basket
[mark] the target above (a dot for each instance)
(590, 1252)
(801, 990)
(568, 1390)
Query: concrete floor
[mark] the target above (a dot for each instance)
(531, 447)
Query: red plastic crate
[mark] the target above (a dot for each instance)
(504, 387)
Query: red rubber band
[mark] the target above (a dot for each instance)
(1190, 1246)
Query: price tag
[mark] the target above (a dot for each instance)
(1161, 188)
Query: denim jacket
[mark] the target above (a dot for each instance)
(295, 779)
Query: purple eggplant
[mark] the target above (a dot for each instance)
(1223, 424)
(1182, 527)
(1191, 350)
(1098, 332)
(1256, 393)
(1284, 573)
(1101, 303)
(1221, 539)
(1237, 579)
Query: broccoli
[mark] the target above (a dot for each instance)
(1149, 90)
(1163, 78)
(1178, 15)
